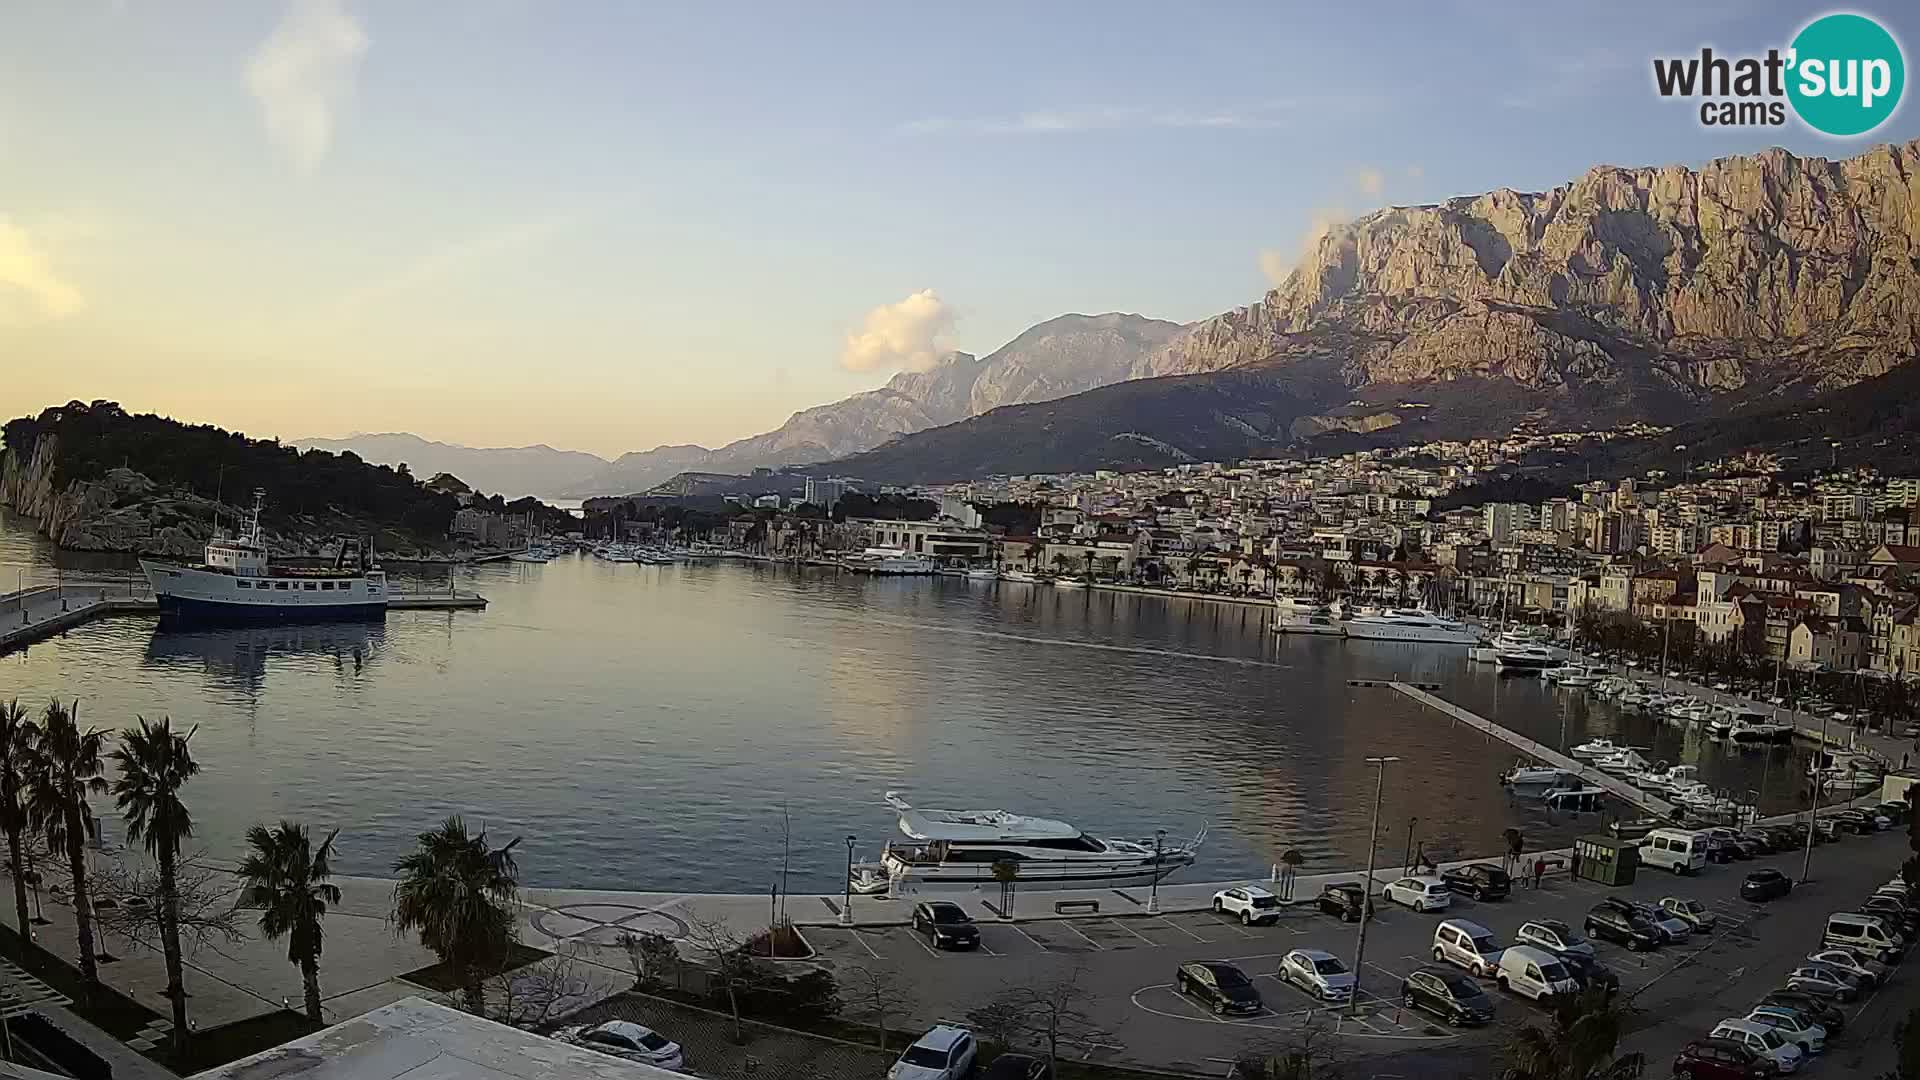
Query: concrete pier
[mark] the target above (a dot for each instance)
(1587, 773)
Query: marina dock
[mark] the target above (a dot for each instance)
(1614, 786)
(35, 614)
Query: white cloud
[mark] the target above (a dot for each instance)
(910, 334)
(1327, 221)
(29, 286)
(1370, 181)
(303, 74)
(1264, 114)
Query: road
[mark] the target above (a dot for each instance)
(1127, 963)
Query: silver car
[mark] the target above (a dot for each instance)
(1554, 936)
(623, 1039)
(1318, 973)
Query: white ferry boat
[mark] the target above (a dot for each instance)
(1413, 625)
(237, 581)
(960, 848)
(1302, 615)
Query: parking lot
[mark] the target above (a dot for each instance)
(1128, 963)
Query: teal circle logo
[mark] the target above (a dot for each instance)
(1847, 75)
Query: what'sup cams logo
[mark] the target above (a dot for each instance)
(1843, 75)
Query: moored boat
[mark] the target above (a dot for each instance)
(961, 847)
(238, 581)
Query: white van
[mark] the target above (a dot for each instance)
(1679, 850)
(1468, 945)
(1534, 973)
(1866, 934)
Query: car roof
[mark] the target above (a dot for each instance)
(1736, 1023)
(1472, 929)
(942, 905)
(1428, 880)
(623, 1027)
(1316, 954)
(941, 1037)
(1216, 965)
(1554, 925)
(1250, 890)
(1529, 952)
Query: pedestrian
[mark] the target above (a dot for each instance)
(1539, 871)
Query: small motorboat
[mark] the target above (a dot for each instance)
(1524, 775)
(1575, 798)
(1595, 748)
(868, 878)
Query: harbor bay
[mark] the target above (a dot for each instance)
(698, 727)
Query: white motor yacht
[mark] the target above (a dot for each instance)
(961, 847)
(1411, 625)
(1596, 748)
(1523, 659)
(1525, 775)
(1625, 761)
(890, 562)
(982, 573)
(1020, 575)
(1303, 615)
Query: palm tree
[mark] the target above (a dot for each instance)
(458, 895)
(65, 771)
(288, 879)
(154, 765)
(16, 761)
(1579, 1045)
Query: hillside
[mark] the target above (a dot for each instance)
(96, 476)
(511, 471)
(1627, 294)
(1062, 356)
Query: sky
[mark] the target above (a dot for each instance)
(608, 226)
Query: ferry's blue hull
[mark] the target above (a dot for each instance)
(213, 611)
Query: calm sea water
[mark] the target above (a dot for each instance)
(670, 728)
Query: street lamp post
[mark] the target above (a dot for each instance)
(1366, 897)
(1153, 894)
(846, 909)
(1408, 863)
(1813, 816)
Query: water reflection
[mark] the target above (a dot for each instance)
(237, 657)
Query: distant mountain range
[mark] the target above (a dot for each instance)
(1657, 294)
(1056, 358)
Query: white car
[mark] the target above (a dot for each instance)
(624, 1039)
(1251, 902)
(1692, 912)
(1554, 936)
(1869, 972)
(1318, 973)
(1422, 893)
(1810, 1037)
(1761, 1039)
(943, 1053)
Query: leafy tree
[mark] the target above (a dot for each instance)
(1062, 562)
(17, 750)
(289, 880)
(154, 765)
(1580, 1043)
(65, 770)
(458, 895)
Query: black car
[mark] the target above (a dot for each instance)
(1448, 994)
(1590, 973)
(1218, 985)
(1858, 821)
(946, 925)
(1903, 918)
(1829, 1015)
(1895, 812)
(1017, 1067)
(1764, 843)
(1478, 880)
(1345, 899)
(1764, 885)
(1608, 923)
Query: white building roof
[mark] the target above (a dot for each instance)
(419, 1040)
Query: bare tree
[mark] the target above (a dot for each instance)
(653, 956)
(1311, 1052)
(877, 993)
(734, 969)
(127, 902)
(1044, 1014)
(529, 997)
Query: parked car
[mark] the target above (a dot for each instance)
(1481, 881)
(1017, 1067)
(1904, 918)
(1830, 1015)
(1421, 893)
(1871, 973)
(1345, 899)
(1692, 912)
(1218, 985)
(1447, 994)
(1467, 945)
(1895, 812)
(1590, 973)
(1672, 928)
(1762, 885)
(1319, 973)
(1863, 821)
(1728, 844)
(1251, 902)
(1535, 973)
(1761, 1039)
(1825, 981)
(1723, 1059)
(1828, 829)
(1553, 936)
(1765, 842)
(1623, 928)
(1809, 1036)
(945, 925)
(945, 1052)
(624, 1039)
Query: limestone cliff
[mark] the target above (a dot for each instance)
(1746, 275)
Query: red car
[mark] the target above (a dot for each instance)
(1721, 1059)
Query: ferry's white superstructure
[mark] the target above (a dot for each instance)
(961, 847)
(237, 581)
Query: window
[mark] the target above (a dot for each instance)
(310, 586)
(244, 584)
(280, 585)
(326, 586)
